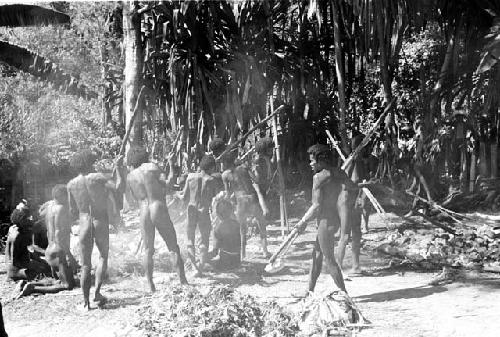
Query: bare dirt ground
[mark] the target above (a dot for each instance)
(397, 303)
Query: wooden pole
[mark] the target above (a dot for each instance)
(258, 125)
(283, 215)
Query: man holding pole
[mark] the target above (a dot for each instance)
(329, 183)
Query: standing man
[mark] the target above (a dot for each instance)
(238, 182)
(149, 190)
(199, 190)
(88, 195)
(328, 183)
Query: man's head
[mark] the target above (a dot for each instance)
(83, 161)
(21, 217)
(320, 157)
(136, 156)
(229, 158)
(264, 147)
(217, 146)
(224, 209)
(207, 163)
(60, 193)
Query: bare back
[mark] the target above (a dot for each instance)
(88, 194)
(145, 183)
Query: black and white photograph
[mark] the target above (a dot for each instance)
(250, 168)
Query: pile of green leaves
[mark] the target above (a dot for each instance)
(222, 311)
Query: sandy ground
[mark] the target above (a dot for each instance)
(397, 304)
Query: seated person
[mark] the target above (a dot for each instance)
(21, 265)
(24, 267)
(227, 239)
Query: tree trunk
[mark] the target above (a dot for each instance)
(483, 163)
(494, 159)
(133, 68)
(472, 177)
(463, 169)
(339, 68)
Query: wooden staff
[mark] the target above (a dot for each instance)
(367, 192)
(365, 140)
(258, 125)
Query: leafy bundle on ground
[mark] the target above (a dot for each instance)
(220, 311)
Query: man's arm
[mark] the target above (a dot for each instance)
(184, 195)
(60, 226)
(73, 208)
(316, 203)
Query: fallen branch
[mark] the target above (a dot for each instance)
(450, 213)
(435, 223)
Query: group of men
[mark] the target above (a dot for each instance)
(224, 191)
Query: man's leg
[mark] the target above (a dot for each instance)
(148, 235)
(325, 239)
(345, 216)
(162, 222)
(205, 227)
(101, 236)
(317, 263)
(86, 244)
(356, 239)
(192, 221)
(241, 216)
(262, 224)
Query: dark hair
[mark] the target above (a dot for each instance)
(82, 161)
(321, 152)
(223, 208)
(229, 158)
(263, 144)
(207, 162)
(217, 146)
(136, 156)
(20, 217)
(59, 192)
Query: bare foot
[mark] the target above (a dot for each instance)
(100, 300)
(27, 289)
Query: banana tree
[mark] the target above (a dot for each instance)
(27, 61)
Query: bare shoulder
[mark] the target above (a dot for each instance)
(149, 167)
(322, 177)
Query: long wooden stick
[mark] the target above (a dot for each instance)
(368, 193)
(450, 213)
(258, 125)
(367, 138)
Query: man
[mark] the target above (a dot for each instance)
(329, 209)
(149, 190)
(88, 195)
(227, 241)
(354, 205)
(238, 182)
(199, 190)
(21, 264)
(58, 253)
